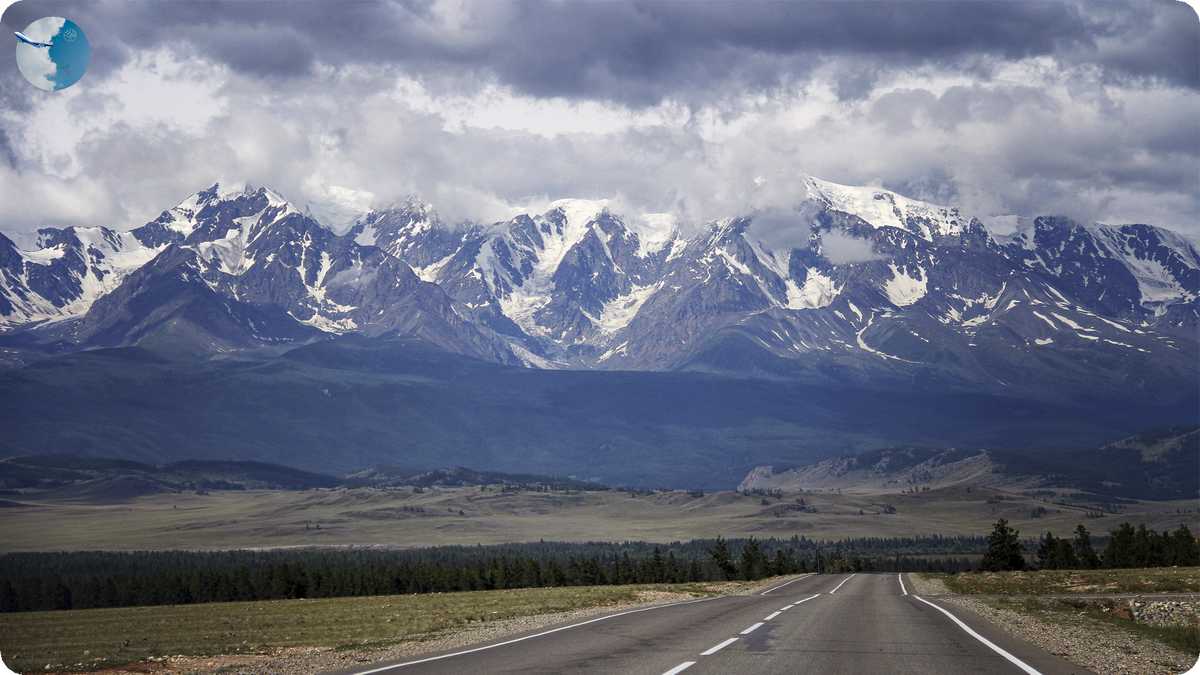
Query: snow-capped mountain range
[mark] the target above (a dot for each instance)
(932, 300)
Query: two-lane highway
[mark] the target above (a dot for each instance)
(862, 623)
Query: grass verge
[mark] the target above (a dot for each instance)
(1065, 582)
(98, 638)
(1105, 615)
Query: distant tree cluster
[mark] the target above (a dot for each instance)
(1126, 548)
(1145, 548)
(284, 581)
(86, 579)
(754, 562)
(1062, 554)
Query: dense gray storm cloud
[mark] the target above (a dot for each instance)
(701, 110)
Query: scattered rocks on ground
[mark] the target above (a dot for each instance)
(1164, 613)
(918, 586)
(1106, 652)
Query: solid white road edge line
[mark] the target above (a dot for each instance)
(782, 585)
(719, 647)
(772, 616)
(841, 584)
(1017, 662)
(528, 637)
(751, 629)
(680, 668)
(901, 578)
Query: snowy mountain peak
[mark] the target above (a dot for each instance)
(884, 208)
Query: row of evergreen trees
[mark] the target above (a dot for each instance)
(723, 560)
(286, 581)
(55, 591)
(756, 564)
(71, 563)
(1126, 548)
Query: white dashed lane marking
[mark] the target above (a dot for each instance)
(719, 647)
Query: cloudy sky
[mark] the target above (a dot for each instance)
(702, 110)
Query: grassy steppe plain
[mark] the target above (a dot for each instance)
(79, 519)
(95, 638)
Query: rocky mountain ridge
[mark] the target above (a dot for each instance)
(930, 300)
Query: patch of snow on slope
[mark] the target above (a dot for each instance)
(1156, 283)
(618, 312)
(117, 253)
(43, 256)
(1067, 321)
(776, 261)
(904, 290)
(337, 326)
(366, 237)
(535, 290)
(883, 208)
(1052, 324)
(818, 291)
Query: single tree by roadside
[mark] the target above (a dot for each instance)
(1004, 552)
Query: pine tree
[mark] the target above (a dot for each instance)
(1084, 553)
(1066, 556)
(752, 560)
(722, 560)
(782, 564)
(1119, 552)
(1047, 552)
(1004, 552)
(1184, 549)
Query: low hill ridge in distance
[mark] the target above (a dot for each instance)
(84, 478)
(1159, 464)
(459, 476)
(59, 470)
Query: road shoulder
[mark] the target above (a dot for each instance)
(1104, 652)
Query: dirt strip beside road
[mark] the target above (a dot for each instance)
(1108, 652)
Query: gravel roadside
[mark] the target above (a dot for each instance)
(1106, 652)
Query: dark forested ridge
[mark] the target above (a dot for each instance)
(57, 469)
(339, 405)
(48, 471)
(1160, 464)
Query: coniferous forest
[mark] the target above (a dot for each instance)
(93, 579)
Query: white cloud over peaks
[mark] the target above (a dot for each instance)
(484, 108)
(840, 248)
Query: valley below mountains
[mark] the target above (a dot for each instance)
(583, 342)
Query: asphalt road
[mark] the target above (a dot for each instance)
(854, 624)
